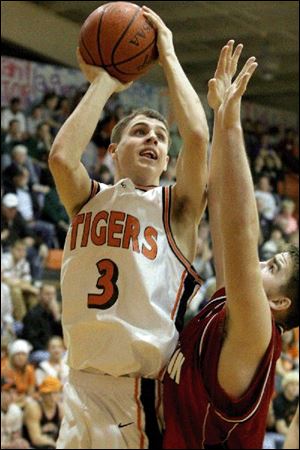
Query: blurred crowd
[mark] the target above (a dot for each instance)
(34, 224)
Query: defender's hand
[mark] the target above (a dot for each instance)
(226, 69)
(229, 111)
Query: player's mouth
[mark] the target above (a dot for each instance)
(149, 153)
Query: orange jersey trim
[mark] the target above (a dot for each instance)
(166, 220)
(139, 411)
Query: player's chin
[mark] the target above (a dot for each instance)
(148, 162)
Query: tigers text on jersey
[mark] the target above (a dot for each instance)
(198, 413)
(125, 284)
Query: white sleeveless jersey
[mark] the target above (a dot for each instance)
(125, 284)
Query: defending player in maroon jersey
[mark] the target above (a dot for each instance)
(219, 382)
(198, 412)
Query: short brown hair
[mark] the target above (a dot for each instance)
(291, 289)
(118, 129)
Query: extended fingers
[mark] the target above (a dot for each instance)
(221, 67)
(228, 59)
(244, 80)
(229, 56)
(235, 59)
(246, 67)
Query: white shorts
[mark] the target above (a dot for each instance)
(104, 412)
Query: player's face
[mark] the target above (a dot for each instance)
(142, 153)
(276, 273)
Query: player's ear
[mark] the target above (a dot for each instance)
(167, 162)
(280, 303)
(112, 150)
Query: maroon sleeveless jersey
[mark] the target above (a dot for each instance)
(198, 413)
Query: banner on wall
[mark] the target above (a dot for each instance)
(30, 80)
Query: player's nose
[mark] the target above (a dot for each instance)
(151, 137)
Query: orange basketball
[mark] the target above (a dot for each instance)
(117, 37)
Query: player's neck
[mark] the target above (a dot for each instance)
(139, 182)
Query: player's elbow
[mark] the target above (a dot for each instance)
(200, 134)
(57, 160)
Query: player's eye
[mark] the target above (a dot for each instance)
(161, 137)
(139, 132)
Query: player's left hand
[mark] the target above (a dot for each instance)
(164, 34)
(92, 72)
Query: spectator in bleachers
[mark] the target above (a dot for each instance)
(40, 144)
(29, 207)
(13, 226)
(10, 139)
(285, 219)
(49, 105)
(104, 175)
(13, 112)
(56, 365)
(289, 150)
(42, 322)
(18, 371)
(7, 319)
(19, 158)
(286, 402)
(252, 140)
(288, 361)
(272, 246)
(34, 119)
(11, 419)
(16, 274)
(54, 212)
(273, 169)
(62, 111)
(42, 418)
(268, 162)
(263, 192)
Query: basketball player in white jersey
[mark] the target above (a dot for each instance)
(127, 274)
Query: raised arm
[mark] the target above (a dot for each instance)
(71, 178)
(249, 325)
(219, 85)
(191, 170)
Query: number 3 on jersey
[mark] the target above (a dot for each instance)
(109, 273)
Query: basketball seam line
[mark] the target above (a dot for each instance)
(98, 37)
(86, 49)
(123, 34)
(123, 62)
